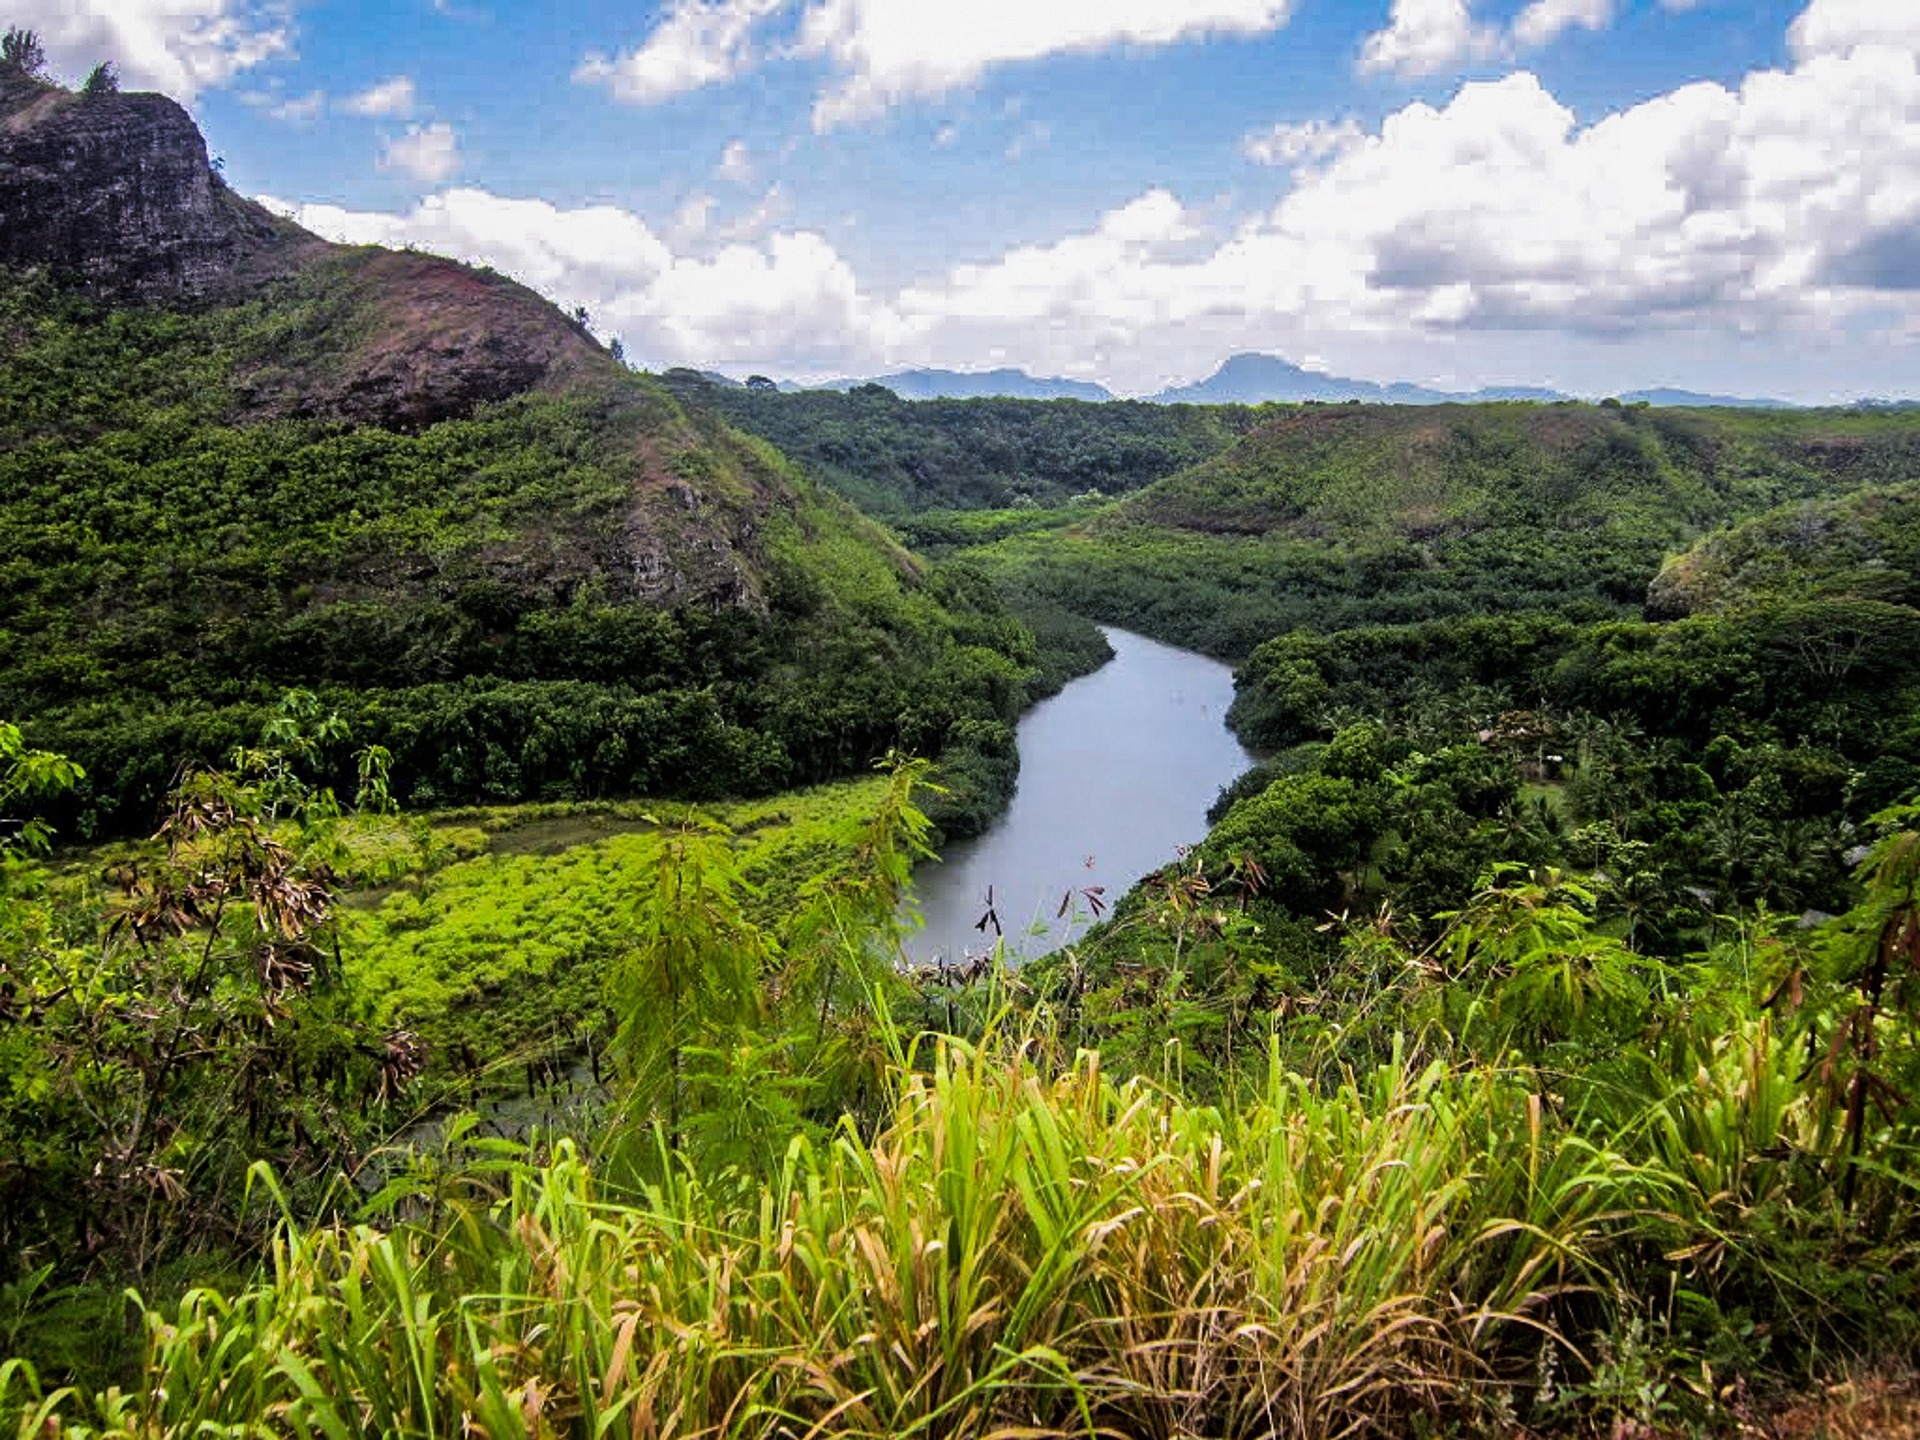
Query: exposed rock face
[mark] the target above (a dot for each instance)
(117, 191)
(430, 339)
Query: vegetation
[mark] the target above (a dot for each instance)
(896, 458)
(1533, 1046)
(571, 594)
(1334, 516)
(1525, 1174)
(22, 52)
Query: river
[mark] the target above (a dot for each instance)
(1116, 773)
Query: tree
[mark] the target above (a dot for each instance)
(26, 775)
(103, 79)
(22, 51)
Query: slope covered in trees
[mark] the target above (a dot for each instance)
(1336, 515)
(896, 458)
(421, 492)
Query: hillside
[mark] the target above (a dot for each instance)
(897, 457)
(1864, 547)
(235, 459)
(1337, 515)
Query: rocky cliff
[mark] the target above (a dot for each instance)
(115, 194)
(117, 191)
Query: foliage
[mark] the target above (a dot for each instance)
(157, 1045)
(22, 52)
(1335, 517)
(1061, 1252)
(471, 595)
(898, 458)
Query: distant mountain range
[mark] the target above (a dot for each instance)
(1249, 379)
(1693, 397)
(1252, 379)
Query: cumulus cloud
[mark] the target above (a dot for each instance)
(1782, 208)
(428, 153)
(700, 42)
(893, 50)
(180, 47)
(1787, 205)
(1835, 27)
(887, 51)
(1429, 37)
(1286, 145)
(392, 97)
(1546, 20)
(790, 299)
(1424, 37)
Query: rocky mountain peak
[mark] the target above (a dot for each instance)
(117, 192)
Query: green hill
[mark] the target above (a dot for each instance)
(1329, 516)
(421, 491)
(897, 458)
(1864, 546)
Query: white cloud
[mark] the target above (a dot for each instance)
(177, 46)
(428, 153)
(735, 164)
(894, 50)
(1834, 27)
(1286, 145)
(789, 300)
(1428, 37)
(1785, 207)
(1496, 224)
(394, 97)
(888, 51)
(1424, 37)
(701, 42)
(1546, 20)
(295, 109)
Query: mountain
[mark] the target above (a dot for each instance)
(976, 385)
(1666, 395)
(116, 190)
(237, 460)
(1251, 379)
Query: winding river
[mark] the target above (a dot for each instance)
(1116, 773)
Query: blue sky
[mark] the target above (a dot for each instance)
(1593, 194)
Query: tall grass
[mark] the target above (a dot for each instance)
(1012, 1253)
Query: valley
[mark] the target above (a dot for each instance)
(412, 714)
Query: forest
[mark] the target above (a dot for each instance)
(458, 859)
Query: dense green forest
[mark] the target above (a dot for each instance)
(1330, 516)
(896, 458)
(459, 837)
(579, 592)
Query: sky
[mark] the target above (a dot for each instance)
(1593, 195)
